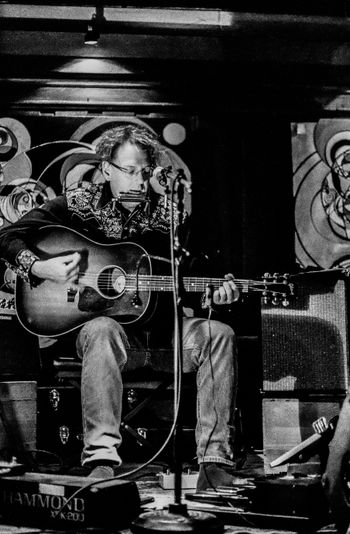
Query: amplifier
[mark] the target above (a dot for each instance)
(305, 346)
(19, 350)
(37, 499)
(18, 407)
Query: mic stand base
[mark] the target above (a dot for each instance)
(177, 519)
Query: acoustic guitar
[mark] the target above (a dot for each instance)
(114, 280)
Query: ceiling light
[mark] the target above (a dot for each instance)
(94, 26)
(93, 34)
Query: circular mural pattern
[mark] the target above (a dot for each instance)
(322, 197)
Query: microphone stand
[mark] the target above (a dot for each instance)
(179, 253)
(177, 518)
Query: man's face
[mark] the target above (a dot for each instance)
(129, 170)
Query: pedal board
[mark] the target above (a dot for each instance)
(287, 502)
(235, 496)
(297, 496)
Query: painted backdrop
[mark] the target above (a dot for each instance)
(321, 181)
(42, 155)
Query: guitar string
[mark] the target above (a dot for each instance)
(199, 286)
(142, 288)
(163, 283)
(164, 280)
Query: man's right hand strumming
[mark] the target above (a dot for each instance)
(61, 269)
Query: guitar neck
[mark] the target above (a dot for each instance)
(267, 286)
(190, 283)
(200, 284)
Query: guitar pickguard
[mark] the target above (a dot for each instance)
(90, 300)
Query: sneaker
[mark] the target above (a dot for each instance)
(103, 470)
(212, 475)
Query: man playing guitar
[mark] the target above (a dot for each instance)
(126, 209)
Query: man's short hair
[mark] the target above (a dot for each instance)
(142, 137)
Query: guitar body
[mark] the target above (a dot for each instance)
(114, 280)
(52, 309)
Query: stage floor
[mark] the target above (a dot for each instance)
(237, 519)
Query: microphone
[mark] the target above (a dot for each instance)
(162, 175)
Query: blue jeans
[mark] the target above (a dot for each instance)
(209, 347)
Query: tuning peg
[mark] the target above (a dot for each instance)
(265, 298)
(285, 302)
(267, 275)
(275, 300)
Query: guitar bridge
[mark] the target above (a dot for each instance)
(71, 292)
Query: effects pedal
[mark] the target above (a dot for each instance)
(188, 480)
(233, 496)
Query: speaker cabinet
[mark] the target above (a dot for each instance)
(18, 418)
(19, 350)
(305, 346)
(288, 422)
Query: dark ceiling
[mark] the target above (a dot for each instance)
(300, 44)
(328, 8)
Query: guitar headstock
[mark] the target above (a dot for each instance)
(277, 289)
(346, 270)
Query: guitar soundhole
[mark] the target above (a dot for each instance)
(111, 282)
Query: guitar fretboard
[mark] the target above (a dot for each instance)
(192, 284)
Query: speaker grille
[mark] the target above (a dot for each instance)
(305, 346)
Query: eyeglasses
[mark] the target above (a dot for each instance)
(146, 172)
